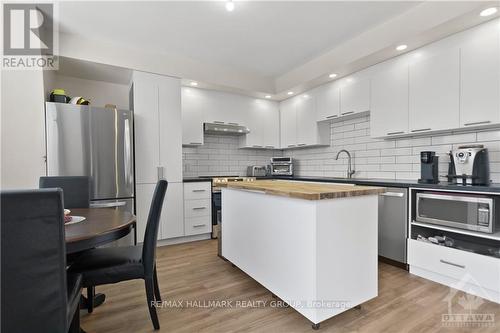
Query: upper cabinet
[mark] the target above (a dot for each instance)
(192, 117)
(327, 99)
(288, 123)
(354, 96)
(263, 121)
(434, 92)
(389, 101)
(480, 78)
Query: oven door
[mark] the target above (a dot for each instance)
(281, 169)
(458, 211)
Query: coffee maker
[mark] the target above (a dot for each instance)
(469, 165)
(429, 163)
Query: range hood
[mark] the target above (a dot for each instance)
(225, 129)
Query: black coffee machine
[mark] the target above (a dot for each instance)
(429, 167)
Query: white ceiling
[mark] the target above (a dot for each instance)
(266, 38)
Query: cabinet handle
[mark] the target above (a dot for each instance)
(269, 146)
(332, 116)
(478, 123)
(421, 130)
(346, 113)
(199, 225)
(159, 171)
(257, 146)
(199, 208)
(393, 194)
(291, 145)
(218, 122)
(195, 143)
(199, 190)
(302, 144)
(394, 133)
(451, 263)
(233, 124)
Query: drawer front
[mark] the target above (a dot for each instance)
(194, 191)
(197, 225)
(197, 208)
(474, 268)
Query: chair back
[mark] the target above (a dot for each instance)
(153, 223)
(76, 189)
(34, 293)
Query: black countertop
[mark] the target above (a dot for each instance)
(493, 187)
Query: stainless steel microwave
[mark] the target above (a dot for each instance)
(470, 212)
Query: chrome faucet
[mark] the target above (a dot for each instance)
(350, 172)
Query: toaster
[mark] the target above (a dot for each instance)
(256, 171)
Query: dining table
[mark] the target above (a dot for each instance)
(100, 226)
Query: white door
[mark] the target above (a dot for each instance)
(170, 123)
(306, 121)
(327, 99)
(172, 216)
(354, 96)
(389, 104)
(192, 117)
(271, 121)
(254, 121)
(288, 123)
(434, 93)
(480, 78)
(146, 120)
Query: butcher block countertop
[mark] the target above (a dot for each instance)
(303, 190)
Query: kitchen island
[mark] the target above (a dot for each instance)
(313, 245)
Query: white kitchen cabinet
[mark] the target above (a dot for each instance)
(288, 123)
(480, 78)
(434, 93)
(263, 122)
(222, 107)
(389, 101)
(197, 208)
(354, 96)
(306, 120)
(327, 99)
(271, 122)
(192, 117)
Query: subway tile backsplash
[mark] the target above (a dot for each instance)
(372, 158)
(388, 159)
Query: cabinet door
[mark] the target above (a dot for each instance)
(306, 121)
(389, 104)
(354, 96)
(327, 99)
(172, 216)
(288, 122)
(480, 79)
(254, 121)
(146, 119)
(434, 93)
(144, 195)
(169, 99)
(192, 117)
(271, 122)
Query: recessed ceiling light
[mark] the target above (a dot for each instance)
(229, 6)
(290, 93)
(488, 11)
(268, 96)
(194, 83)
(401, 47)
(333, 75)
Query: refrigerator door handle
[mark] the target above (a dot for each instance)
(127, 154)
(108, 204)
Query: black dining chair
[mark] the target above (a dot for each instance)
(76, 189)
(115, 264)
(37, 293)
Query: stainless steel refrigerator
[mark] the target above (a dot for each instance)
(96, 142)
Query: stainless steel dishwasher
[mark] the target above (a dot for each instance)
(393, 224)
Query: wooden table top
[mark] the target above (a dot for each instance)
(101, 225)
(304, 190)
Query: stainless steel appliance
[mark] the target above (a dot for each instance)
(393, 224)
(469, 165)
(429, 163)
(281, 166)
(470, 212)
(83, 140)
(221, 128)
(257, 171)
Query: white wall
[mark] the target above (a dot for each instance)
(22, 129)
(98, 92)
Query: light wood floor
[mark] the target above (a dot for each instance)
(193, 272)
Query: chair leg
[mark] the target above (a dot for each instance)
(75, 322)
(157, 286)
(151, 300)
(90, 299)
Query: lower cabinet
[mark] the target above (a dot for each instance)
(197, 208)
(172, 215)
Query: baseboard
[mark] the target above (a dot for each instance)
(394, 263)
(186, 239)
